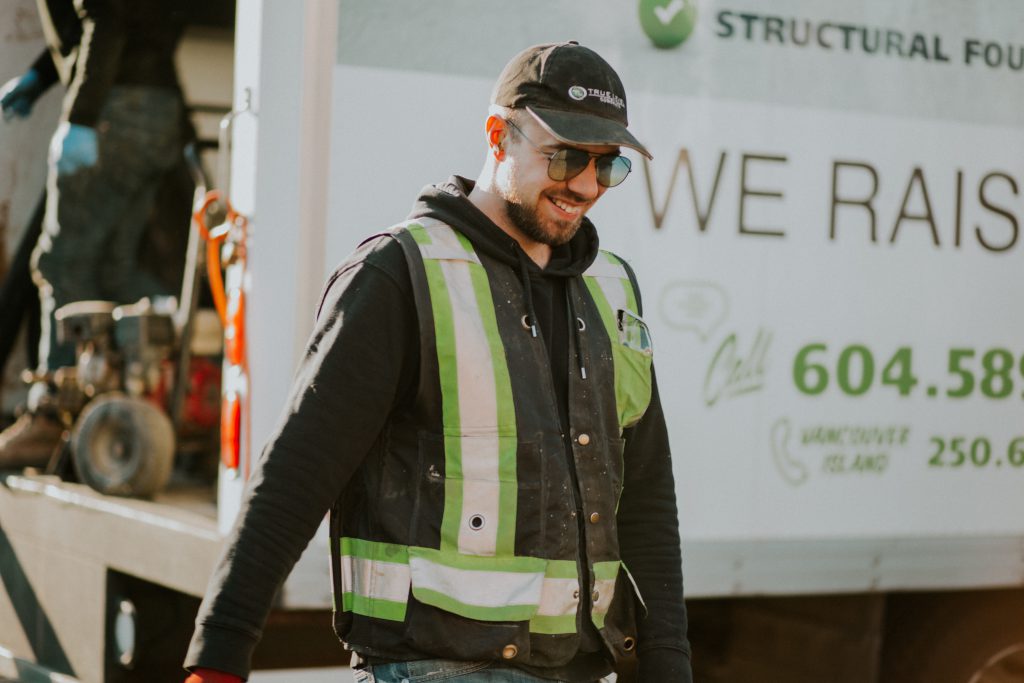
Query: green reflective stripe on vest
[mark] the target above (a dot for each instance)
(477, 411)
(444, 331)
(609, 285)
(375, 578)
(605, 574)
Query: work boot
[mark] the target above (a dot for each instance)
(30, 441)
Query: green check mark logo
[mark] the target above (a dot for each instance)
(667, 14)
(668, 23)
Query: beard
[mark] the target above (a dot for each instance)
(528, 221)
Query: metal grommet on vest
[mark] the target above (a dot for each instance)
(581, 324)
(628, 644)
(529, 325)
(575, 595)
(510, 652)
(583, 439)
(477, 522)
(596, 596)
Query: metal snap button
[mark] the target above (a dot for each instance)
(510, 652)
(576, 595)
(596, 596)
(583, 439)
(594, 518)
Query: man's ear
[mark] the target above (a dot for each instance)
(496, 132)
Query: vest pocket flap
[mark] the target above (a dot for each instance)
(633, 383)
(477, 587)
(633, 332)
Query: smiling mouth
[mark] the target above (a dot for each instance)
(571, 209)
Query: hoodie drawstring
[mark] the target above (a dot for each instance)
(530, 319)
(577, 325)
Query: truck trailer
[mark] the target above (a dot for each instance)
(824, 239)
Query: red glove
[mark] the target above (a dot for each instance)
(211, 676)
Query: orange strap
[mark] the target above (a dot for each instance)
(214, 241)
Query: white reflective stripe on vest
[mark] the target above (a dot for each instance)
(440, 252)
(605, 591)
(613, 280)
(559, 597)
(603, 266)
(479, 588)
(477, 398)
(375, 579)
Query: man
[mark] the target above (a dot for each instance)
(119, 132)
(477, 408)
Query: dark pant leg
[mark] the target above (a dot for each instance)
(67, 259)
(19, 298)
(121, 279)
(145, 133)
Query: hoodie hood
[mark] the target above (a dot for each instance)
(449, 202)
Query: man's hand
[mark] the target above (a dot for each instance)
(19, 94)
(73, 148)
(211, 676)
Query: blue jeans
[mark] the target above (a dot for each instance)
(95, 218)
(445, 670)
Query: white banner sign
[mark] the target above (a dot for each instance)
(827, 239)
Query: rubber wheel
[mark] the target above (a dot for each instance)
(975, 637)
(123, 446)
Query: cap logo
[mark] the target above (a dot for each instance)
(579, 93)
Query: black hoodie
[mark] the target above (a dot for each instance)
(362, 363)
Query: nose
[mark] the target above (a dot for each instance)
(585, 184)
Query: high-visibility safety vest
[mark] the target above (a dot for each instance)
(459, 536)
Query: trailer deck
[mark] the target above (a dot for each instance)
(64, 544)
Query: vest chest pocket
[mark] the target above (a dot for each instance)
(633, 353)
(611, 289)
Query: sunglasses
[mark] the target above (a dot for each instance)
(568, 162)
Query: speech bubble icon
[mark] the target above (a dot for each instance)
(694, 306)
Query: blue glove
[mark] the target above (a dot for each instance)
(73, 148)
(19, 94)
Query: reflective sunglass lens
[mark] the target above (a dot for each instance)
(567, 163)
(612, 170)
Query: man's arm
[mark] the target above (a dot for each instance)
(360, 361)
(46, 70)
(99, 55)
(648, 526)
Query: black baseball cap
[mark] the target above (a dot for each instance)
(571, 91)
